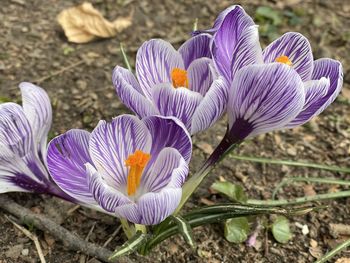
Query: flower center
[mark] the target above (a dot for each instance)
(179, 78)
(284, 60)
(136, 163)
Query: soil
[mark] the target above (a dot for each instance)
(33, 47)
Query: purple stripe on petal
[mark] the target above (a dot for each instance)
(247, 51)
(226, 39)
(107, 197)
(169, 132)
(194, 48)
(297, 48)
(152, 208)
(15, 130)
(155, 207)
(37, 108)
(315, 90)
(200, 75)
(170, 169)
(67, 155)
(112, 143)
(211, 107)
(264, 97)
(155, 60)
(180, 102)
(130, 94)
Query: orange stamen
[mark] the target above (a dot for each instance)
(284, 60)
(179, 78)
(137, 163)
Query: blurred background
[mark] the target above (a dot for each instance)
(77, 77)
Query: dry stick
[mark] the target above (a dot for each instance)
(33, 237)
(58, 72)
(43, 223)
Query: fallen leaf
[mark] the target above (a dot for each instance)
(84, 23)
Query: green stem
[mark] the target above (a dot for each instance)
(128, 230)
(311, 180)
(224, 148)
(141, 228)
(333, 252)
(300, 200)
(125, 57)
(292, 163)
(195, 25)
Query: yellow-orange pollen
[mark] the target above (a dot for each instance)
(179, 78)
(136, 163)
(284, 60)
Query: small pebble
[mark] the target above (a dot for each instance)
(25, 252)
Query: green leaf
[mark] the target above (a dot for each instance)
(237, 229)
(281, 230)
(268, 13)
(185, 230)
(4, 99)
(234, 192)
(131, 245)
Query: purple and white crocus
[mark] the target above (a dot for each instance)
(179, 83)
(23, 137)
(279, 87)
(130, 167)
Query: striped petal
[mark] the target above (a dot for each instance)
(180, 103)
(200, 75)
(37, 108)
(322, 91)
(263, 98)
(211, 107)
(112, 143)
(15, 175)
(297, 48)
(67, 155)
(130, 93)
(169, 170)
(217, 23)
(155, 60)
(169, 132)
(107, 197)
(194, 48)
(237, 36)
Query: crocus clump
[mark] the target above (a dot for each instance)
(131, 168)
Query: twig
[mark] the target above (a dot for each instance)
(58, 72)
(33, 237)
(112, 236)
(72, 210)
(43, 223)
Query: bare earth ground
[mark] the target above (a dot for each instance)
(32, 47)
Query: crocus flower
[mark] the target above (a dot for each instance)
(130, 167)
(284, 88)
(179, 83)
(23, 137)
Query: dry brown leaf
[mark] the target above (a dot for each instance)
(84, 23)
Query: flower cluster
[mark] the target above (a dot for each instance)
(135, 167)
